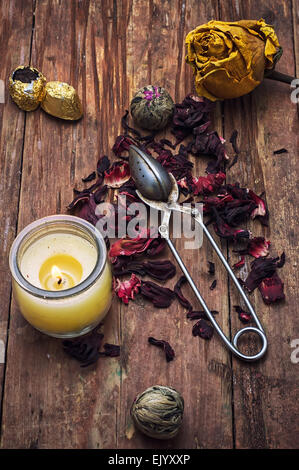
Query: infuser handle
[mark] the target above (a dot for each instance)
(163, 229)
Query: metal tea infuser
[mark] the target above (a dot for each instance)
(158, 189)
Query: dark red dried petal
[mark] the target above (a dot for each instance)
(207, 184)
(85, 348)
(140, 244)
(88, 210)
(181, 298)
(121, 144)
(198, 314)
(279, 151)
(261, 268)
(244, 316)
(127, 290)
(159, 296)
(211, 268)
(90, 177)
(210, 144)
(257, 247)
(169, 352)
(240, 263)
(110, 350)
(117, 174)
(177, 164)
(223, 230)
(281, 261)
(261, 211)
(233, 141)
(103, 164)
(271, 289)
(203, 329)
(160, 269)
(156, 247)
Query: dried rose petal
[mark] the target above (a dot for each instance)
(169, 352)
(261, 268)
(126, 290)
(159, 296)
(90, 177)
(271, 289)
(207, 184)
(177, 164)
(156, 247)
(244, 316)
(257, 247)
(223, 230)
(85, 348)
(121, 144)
(203, 329)
(177, 290)
(160, 269)
(198, 314)
(233, 141)
(191, 113)
(140, 244)
(117, 174)
(261, 211)
(279, 151)
(282, 260)
(240, 263)
(110, 350)
(103, 165)
(211, 268)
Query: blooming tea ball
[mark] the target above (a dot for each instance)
(158, 412)
(152, 107)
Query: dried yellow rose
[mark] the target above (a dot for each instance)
(229, 59)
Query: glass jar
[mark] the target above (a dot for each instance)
(74, 302)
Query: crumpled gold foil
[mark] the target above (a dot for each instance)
(27, 96)
(61, 100)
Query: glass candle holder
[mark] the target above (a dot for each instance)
(61, 276)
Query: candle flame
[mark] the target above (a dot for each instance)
(56, 274)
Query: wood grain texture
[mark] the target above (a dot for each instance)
(107, 50)
(267, 120)
(16, 25)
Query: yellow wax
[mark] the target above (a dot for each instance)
(76, 257)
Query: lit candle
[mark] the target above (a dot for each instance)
(61, 275)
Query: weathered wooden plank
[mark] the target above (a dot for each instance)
(156, 55)
(265, 393)
(109, 50)
(94, 50)
(16, 23)
(50, 401)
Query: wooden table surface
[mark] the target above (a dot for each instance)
(107, 50)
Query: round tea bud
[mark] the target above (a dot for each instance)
(27, 87)
(152, 107)
(158, 412)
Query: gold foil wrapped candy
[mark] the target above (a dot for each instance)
(27, 87)
(158, 412)
(61, 100)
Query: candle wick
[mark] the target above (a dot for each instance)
(59, 281)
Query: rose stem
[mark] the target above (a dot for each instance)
(281, 77)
